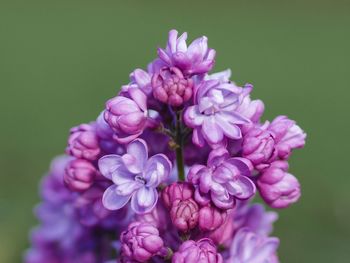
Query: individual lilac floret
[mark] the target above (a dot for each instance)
(83, 142)
(203, 251)
(277, 187)
(197, 58)
(222, 181)
(140, 242)
(249, 247)
(134, 176)
(210, 218)
(128, 117)
(171, 87)
(287, 135)
(259, 147)
(184, 214)
(213, 115)
(79, 175)
(255, 217)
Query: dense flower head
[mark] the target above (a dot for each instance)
(168, 170)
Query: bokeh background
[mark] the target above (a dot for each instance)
(61, 60)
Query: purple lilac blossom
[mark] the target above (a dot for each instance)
(134, 176)
(222, 181)
(213, 117)
(249, 247)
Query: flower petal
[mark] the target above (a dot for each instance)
(112, 201)
(144, 200)
(211, 131)
(138, 149)
(108, 164)
(157, 170)
(241, 187)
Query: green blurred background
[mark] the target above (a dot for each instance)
(61, 60)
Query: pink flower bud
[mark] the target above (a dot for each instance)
(203, 251)
(278, 188)
(210, 218)
(170, 86)
(83, 142)
(127, 116)
(176, 191)
(140, 242)
(288, 136)
(259, 147)
(79, 175)
(184, 214)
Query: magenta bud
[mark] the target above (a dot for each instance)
(210, 218)
(176, 191)
(203, 250)
(79, 175)
(259, 146)
(277, 187)
(83, 142)
(140, 242)
(184, 214)
(171, 87)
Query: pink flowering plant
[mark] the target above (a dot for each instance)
(168, 171)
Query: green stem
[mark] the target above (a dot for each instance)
(179, 149)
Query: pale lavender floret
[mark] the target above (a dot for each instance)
(222, 181)
(288, 135)
(83, 142)
(277, 187)
(134, 176)
(140, 242)
(197, 58)
(203, 251)
(79, 175)
(254, 217)
(249, 247)
(213, 117)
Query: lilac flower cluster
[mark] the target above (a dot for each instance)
(168, 170)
